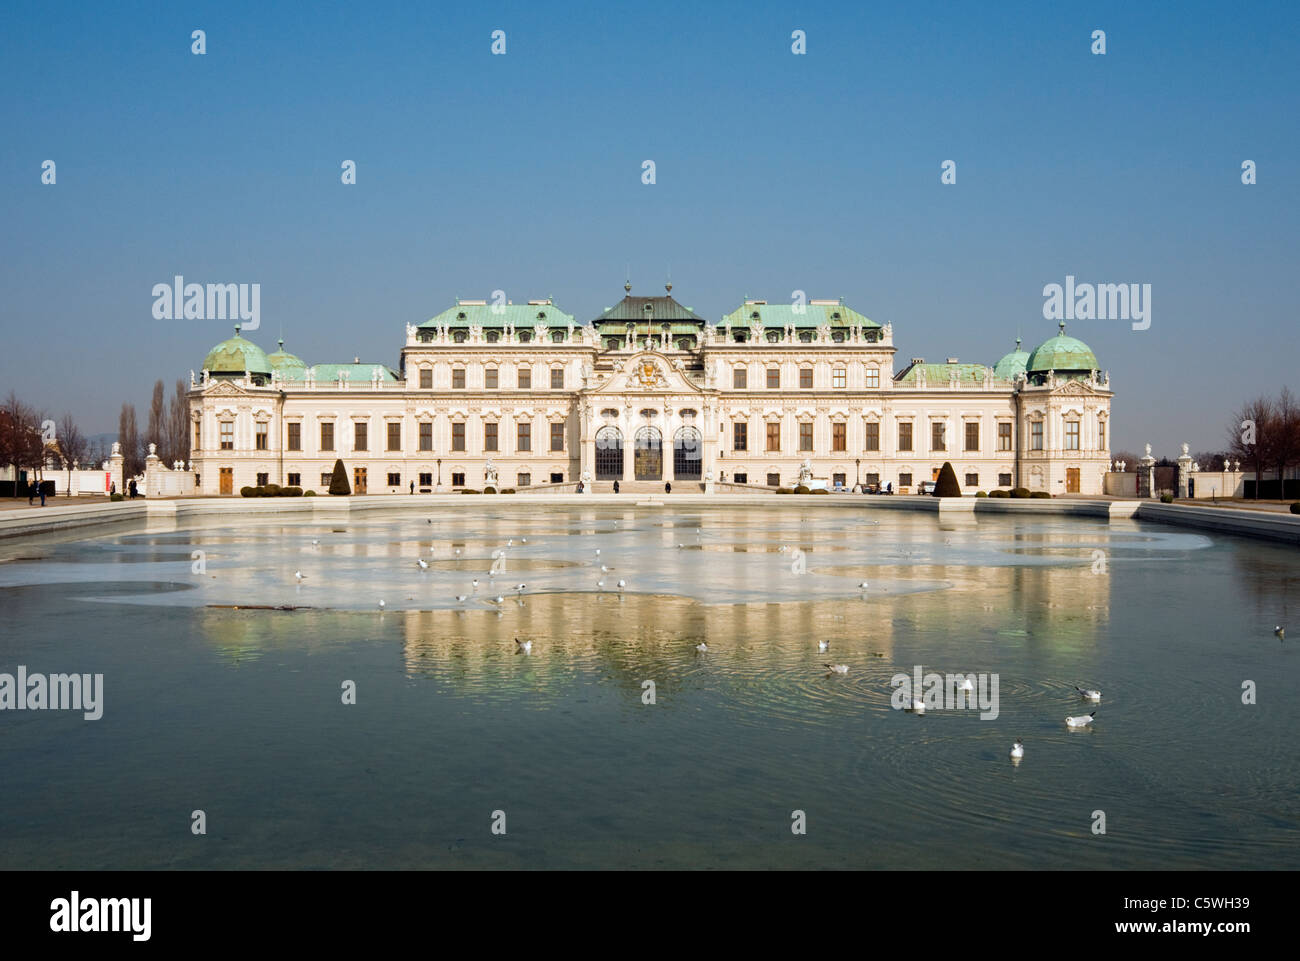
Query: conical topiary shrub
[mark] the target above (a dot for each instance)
(339, 481)
(946, 485)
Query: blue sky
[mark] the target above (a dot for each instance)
(775, 172)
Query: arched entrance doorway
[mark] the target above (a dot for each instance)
(688, 454)
(648, 457)
(609, 454)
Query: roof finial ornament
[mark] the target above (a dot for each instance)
(628, 286)
(238, 328)
(281, 343)
(1061, 325)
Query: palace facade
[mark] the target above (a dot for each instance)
(649, 393)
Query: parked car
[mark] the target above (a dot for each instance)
(926, 487)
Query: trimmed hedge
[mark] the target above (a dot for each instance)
(1166, 498)
(946, 485)
(821, 490)
(467, 490)
(507, 490)
(802, 489)
(308, 493)
(1295, 508)
(339, 480)
(272, 490)
(489, 490)
(784, 490)
(116, 497)
(1020, 492)
(981, 494)
(1040, 494)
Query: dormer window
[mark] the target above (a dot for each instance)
(773, 336)
(493, 336)
(805, 336)
(459, 336)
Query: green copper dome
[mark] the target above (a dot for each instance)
(1012, 365)
(237, 356)
(289, 366)
(1063, 354)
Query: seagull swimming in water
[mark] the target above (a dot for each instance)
(862, 586)
(423, 564)
(918, 706)
(299, 575)
(519, 588)
(1280, 632)
(460, 598)
(622, 584)
(523, 540)
(474, 583)
(315, 543)
(838, 668)
(600, 584)
(1083, 720)
(702, 647)
(381, 605)
(523, 647)
(1017, 750)
(1088, 694)
(823, 646)
(500, 599)
(965, 684)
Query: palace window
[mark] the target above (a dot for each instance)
(774, 436)
(557, 478)
(972, 435)
(524, 437)
(905, 435)
(493, 336)
(904, 480)
(740, 478)
(740, 437)
(295, 480)
(557, 437)
(1004, 436)
(837, 336)
(361, 436)
(1004, 480)
(873, 377)
(394, 436)
(1101, 434)
(839, 378)
(839, 436)
(458, 336)
(227, 435)
(1071, 435)
(938, 438)
(458, 378)
(394, 480)
(773, 336)
(198, 435)
(612, 343)
(740, 336)
(805, 336)
(259, 436)
(263, 479)
(525, 378)
(458, 436)
(295, 437)
(1036, 435)
(557, 337)
(972, 480)
(326, 480)
(773, 480)
(426, 435)
(490, 378)
(523, 480)
(557, 378)
(872, 479)
(327, 436)
(805, 436)
(489, 436)
(525, 336)
(839, 480)
(740, 378)
(457, 480)
(426, 378)
(773, 378)
(426, 480)
(873, 436)
(805, 378)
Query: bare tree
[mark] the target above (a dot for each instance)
(73, 446)
(1129, 458)
(1284, 436)
(128, 436)
(178, 422)
(155, 433)
(1248, 435)
(15, 423)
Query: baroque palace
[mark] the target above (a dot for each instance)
(650, 393)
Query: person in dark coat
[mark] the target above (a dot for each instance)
(668, 488)
(31, 492)
(42, 488)
(615, 487)
(131, 487)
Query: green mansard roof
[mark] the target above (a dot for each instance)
(477, 313)
(815, 314)
(357, 373)
(648, 315)
(940, 374)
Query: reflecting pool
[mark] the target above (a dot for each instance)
(224, 672)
